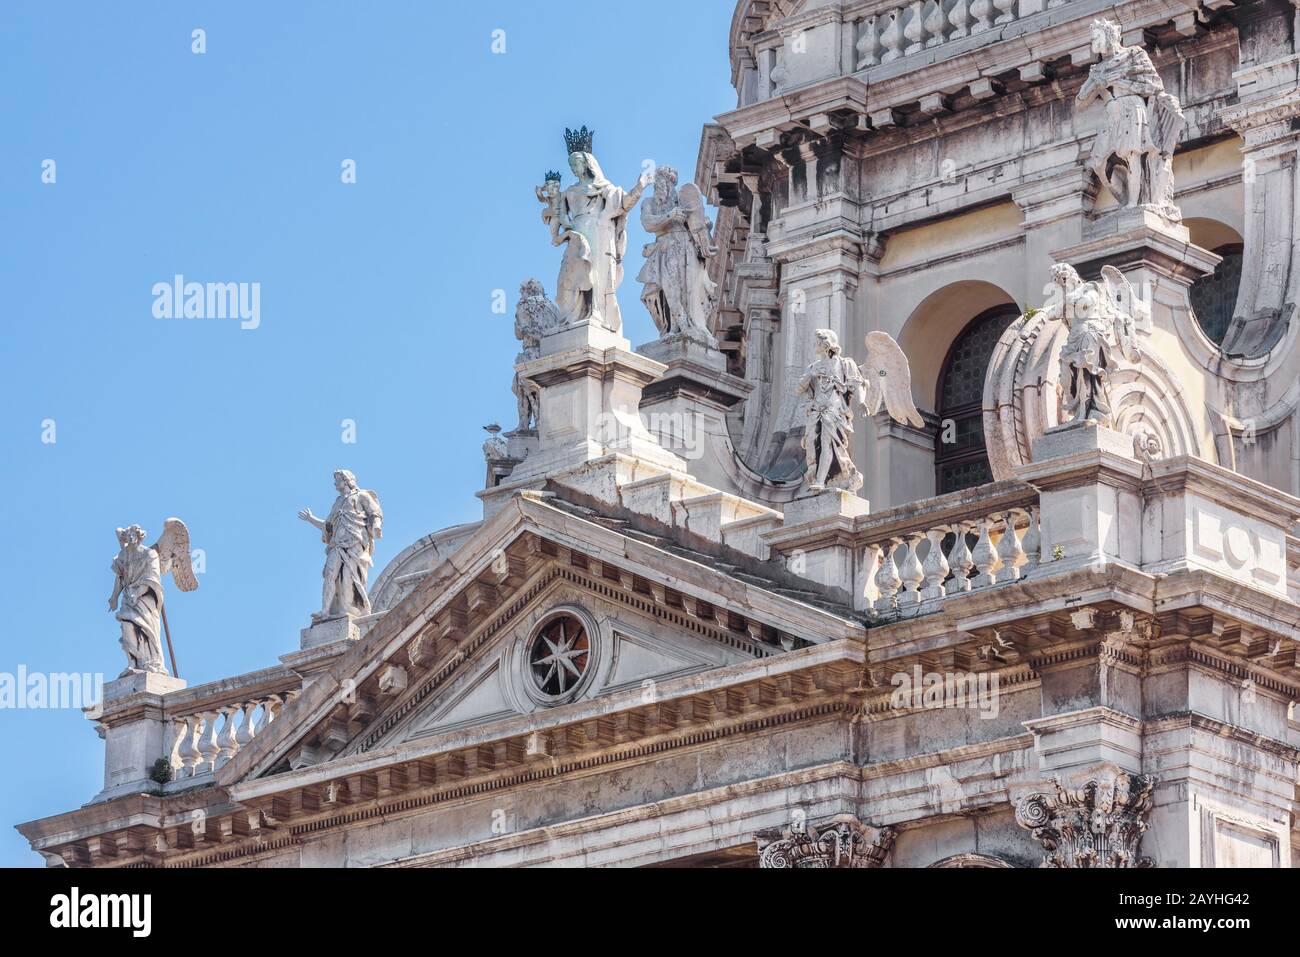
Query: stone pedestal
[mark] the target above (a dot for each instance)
(1154, 253)
(135, 732)
(816, 543)
(1090, 482)
(329, 632)
(686, 408)
(830, 504)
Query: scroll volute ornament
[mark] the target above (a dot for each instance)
(1096, 822)
(841, 843)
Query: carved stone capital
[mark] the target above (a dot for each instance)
(1095, 820)
(839, 842)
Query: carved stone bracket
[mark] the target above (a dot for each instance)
(840, 842)
(1095, 821)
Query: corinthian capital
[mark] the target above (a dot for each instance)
(1096, 820)
(840, 842)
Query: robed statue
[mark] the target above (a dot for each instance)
(590, 220)
(835, 385)
(137, 599)
(1134, 151)
(354, 525)
(1100, 317)
(678, 292)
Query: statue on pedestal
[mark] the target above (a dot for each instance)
(834, 384)
(535, 317)
(1133, 154)
(1101, 319)
(678, 294)
(590, 220)
(137, 598)
(354, 525)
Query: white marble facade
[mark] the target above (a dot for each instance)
(951, 522)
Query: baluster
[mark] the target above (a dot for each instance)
(982, 11)
(1033, 541)
(270, 711)
(891, 38)
(936, 566)
(189, 748)
(935, 23)
(911, 572)
(960, 560)
(868, 45)
(175, 737)
(247, 729)
(915, 30)
(208, 746)
(226, 744)
(888, 581)
(986, 557)
(1006, 10)
(1010, 551)
(959, 17)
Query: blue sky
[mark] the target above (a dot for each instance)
(376, 298)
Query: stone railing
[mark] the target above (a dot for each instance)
(986, 544)
(908, 28)
(204, 740)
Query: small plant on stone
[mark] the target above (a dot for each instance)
(162, 771)
(1058, 552)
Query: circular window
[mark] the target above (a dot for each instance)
(559, 656)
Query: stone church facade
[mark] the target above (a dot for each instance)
(1035, 606)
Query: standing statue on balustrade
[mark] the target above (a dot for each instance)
(1134, 152)
(678, 292)
(590, 220)
(137, 599)
(834, 386)
(354, 525)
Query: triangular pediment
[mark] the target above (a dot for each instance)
(454, 655)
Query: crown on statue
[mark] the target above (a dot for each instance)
(553, 176)
(578, 141)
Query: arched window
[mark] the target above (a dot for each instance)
(960, 457)
(1214, 297)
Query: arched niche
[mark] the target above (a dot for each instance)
(1214, 297)
(934, 326)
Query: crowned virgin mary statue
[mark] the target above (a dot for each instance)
(590, 220)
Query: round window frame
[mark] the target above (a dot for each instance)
(595, 645)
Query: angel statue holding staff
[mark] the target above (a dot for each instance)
(137, 599)
(1102, 328)
(834, 385)
(590, 220)
(354, 525)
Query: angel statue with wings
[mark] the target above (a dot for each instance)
(1100, 317)
(677, 290)
(354, 525)
(834, 384)
(137, 598)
